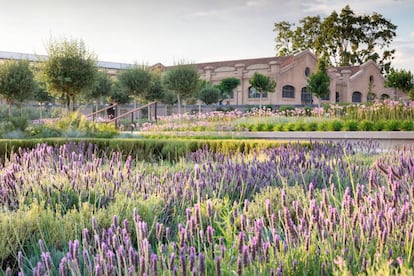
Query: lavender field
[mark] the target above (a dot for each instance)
(318, 209)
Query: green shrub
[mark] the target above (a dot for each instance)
(258, 127)
(18, 123)
(268, 127)
(311, 126)
(379, 125)
(278, 127)
(290, 126)
(336, 125)
(366, 125)
(300, 126)
(407, 125)
(351, 125)
(44, 131)
(392, 125)
(323, 126)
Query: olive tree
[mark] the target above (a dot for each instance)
(262, 84)
(42, 96)
(17, 82)
(70, 69)
(183, 80)
(227, 86)
(209, 94)
(101, 88)
(135, 81)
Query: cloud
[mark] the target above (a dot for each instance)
(404, 55)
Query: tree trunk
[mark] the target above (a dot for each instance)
(260, 102)
(71, 97)
(179, 104)
(10, 112)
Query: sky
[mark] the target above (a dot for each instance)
(173, 31)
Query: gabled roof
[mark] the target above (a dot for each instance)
(353, 69)
(246, 62)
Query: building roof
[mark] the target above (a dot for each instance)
(37, 58)
(353, 69)
(246, 62)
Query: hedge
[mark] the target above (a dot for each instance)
(146, 148)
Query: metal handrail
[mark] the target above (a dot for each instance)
(133, 111)
(102, 109)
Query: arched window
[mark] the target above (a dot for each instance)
(307, 72)
(254, 94)
(306, 97)
(337, 98)
(371, 79)
(288, 91)
(385, 96)
(356, 97)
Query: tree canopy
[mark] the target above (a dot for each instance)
(118, 94)
(345, 38)
(135, 81)
(155, 91)
(17, 82)
(318, 82)
(262, 84)
(70, 69)
(402, 80)
(183, 80)
(101, 87)
(209, 94)
(227, 86)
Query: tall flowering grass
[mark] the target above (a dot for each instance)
(267, 119)
(321, 209)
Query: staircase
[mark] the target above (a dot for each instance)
(113, 117)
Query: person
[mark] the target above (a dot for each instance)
(111, 111)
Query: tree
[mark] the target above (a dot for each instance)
(183, 80)
(118, 94)
(101, 87)
(262, 84)
(402, 80)
(227, 86)
(318, 82)
(135, 81)
(17, 82)
(42, 96)
(345, 38)
(209, 94)
(155, 91)
(70, 69)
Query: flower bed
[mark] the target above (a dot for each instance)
(377, 116)
(320, 209)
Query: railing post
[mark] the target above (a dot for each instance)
(155, 111)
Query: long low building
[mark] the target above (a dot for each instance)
(357, 84)
(348, 84)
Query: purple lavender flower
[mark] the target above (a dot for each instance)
(201, 264)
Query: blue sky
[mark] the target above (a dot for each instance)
(170, 31)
